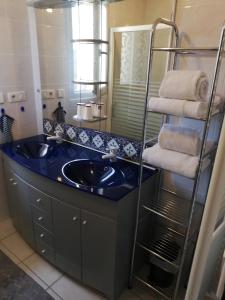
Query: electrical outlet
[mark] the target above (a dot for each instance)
(1, 98)
(48, 94)
(16, 96)
(60, 93)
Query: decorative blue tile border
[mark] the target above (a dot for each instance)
(97, 140)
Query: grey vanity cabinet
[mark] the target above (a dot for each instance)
(86, 236)
(18, 192)
(66, 223)
(98, 235)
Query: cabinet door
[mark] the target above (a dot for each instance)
(18, 197)
(98, 251)
(66, 224)
(22, 191)
(13, 202)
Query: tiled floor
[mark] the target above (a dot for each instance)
(59, 286)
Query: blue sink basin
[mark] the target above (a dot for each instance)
(33, 150)
(90, 173)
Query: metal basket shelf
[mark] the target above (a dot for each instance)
(164, 244)
(143, 277)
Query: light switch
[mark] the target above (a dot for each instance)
(16, 96)
(60, 93)
(48, 94)
(1, 98)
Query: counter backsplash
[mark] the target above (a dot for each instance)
(97, 140)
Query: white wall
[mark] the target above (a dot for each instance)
(16, 73)
(201, 22)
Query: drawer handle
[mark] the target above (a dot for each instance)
(42, 235)
(43, 251)
(14, 183)
(84, 222)
(38, 200)
(74, 218)
(40, 218)
(11, 179)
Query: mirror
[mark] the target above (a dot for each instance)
(93, 63)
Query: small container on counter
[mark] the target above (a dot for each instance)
(80, 110)
(99, 110)
(88, 112)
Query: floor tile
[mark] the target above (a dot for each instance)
(42, 269)
(71, 290)
(6, 228)
(54, 295)
(9, 254)
(144, 293)
(15, 244)
(128, 295)
(32, 275)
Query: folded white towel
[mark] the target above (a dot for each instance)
(187, 85)
(184, 108)
(180, 139)
(182, 164)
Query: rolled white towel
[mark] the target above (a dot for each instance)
(187, 85)
(180, 163)
(184, 108)
(180, 139)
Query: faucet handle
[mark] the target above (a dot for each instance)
(58, 132)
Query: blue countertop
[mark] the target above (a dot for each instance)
(51, 166)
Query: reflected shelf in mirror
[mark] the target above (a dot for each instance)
(94, 119)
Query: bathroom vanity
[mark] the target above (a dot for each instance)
(84, 230)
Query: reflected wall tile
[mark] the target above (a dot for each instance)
(16, 10)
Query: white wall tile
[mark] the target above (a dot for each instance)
(16, 10)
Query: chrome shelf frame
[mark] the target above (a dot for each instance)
(218, 51)
(89, 82)
(190, 51)
(186, 117)
(90, 41)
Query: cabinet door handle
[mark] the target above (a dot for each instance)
(43, 251)
(74, 218)
(42, 235)
(38, 200)
(40, 218)
(84, 222)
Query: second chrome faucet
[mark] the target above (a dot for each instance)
(112, 155)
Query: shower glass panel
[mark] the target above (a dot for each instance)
(130, 65)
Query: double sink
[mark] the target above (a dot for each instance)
(80, 172)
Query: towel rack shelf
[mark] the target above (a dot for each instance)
(176, 210)
(165, 293)
(186, 117)
(204, 50)
(164, 213)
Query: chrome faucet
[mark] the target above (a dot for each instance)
(58, 137)
(111, 155)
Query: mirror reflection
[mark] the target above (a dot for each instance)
(94, 59)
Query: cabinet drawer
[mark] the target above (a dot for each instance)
(42, 218)
(39, 199)
(42, 234)
(46, 251)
